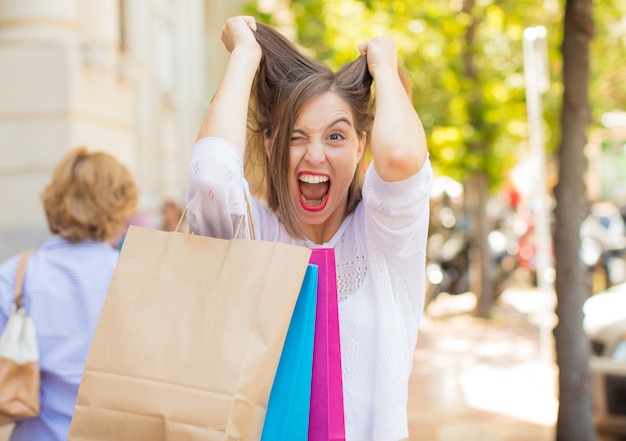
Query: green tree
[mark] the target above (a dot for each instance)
(572, 348)
(607, 89)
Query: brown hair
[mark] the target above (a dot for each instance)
(285, 82)
(91, 196)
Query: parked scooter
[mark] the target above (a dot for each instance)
(504, 249)
(447, 267)
(509, 246)
(447, 255)
(603, 245)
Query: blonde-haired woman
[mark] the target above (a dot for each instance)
(88, 204)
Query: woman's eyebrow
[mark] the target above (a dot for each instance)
(333, 123)
(340, 119)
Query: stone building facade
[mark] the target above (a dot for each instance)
(130, 77)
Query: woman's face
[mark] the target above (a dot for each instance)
(324, 153)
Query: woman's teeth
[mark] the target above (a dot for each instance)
(313, 179)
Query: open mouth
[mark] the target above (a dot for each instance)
(313, 191)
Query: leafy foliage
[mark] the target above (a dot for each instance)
(469, 94)
(608, 69)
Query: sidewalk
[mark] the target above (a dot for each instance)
(485, 380)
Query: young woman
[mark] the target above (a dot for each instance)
(309, 127)
(88, 203)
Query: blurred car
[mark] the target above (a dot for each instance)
(605, 326)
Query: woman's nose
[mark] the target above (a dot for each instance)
(315, 153)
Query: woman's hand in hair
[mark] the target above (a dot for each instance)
(227, 115)
(237, 34)
(398, 140)
(382, 55)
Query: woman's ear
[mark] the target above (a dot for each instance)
(267, 142)
(362, 143)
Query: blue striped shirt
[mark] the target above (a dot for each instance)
(64, 290)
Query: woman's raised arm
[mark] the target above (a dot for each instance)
(227, 115)
(398, 139)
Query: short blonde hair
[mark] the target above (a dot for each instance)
(91, 196)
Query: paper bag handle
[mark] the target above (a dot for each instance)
(19, 276)
(249, 233)
(180, 221)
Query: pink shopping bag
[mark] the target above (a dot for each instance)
(326, 418)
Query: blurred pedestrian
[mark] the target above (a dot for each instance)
(88, 202)
(171, 214)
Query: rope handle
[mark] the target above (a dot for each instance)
(19, 277)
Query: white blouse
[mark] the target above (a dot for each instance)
(380, 256)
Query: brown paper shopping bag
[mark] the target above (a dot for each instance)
(189, 339)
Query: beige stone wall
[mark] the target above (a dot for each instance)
(131, 77)
(38, 44)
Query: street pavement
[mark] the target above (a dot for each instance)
(485, 380)
(482, 380)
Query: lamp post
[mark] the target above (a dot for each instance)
(537, 83)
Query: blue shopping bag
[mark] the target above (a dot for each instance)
(287, 415)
